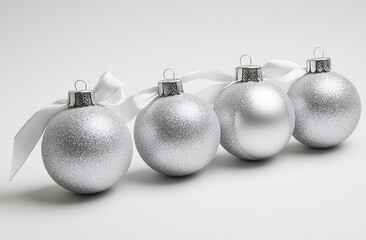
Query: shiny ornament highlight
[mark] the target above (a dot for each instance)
(327, 106)
(256, 118)
(177, 134)
(85, 148)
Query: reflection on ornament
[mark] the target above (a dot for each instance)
(256, 118)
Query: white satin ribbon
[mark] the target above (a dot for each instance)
(108, 92)
(282, 73)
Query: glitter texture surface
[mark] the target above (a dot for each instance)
(256, 118)
(177, 135)
(327, 108)
(87, 149)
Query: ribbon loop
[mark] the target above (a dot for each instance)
(281, 73)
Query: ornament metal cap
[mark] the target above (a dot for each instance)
(170, 87)
(248, 73)
(80, 98)
(318, 64)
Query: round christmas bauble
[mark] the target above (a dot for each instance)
(86, 149)
(327, 106)
(256, 118)
(177, 133)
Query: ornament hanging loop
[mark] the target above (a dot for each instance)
(241, 59)
(80, 98)
(246, 73)
(82, 81)
(318, 64)
(316, 50)
(168, 70)
(170, 86)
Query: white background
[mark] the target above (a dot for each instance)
(299, 194)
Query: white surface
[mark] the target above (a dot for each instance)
(299, 194)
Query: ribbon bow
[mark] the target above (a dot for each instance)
(108, 92)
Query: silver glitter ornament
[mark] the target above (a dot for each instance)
(177, 134)
(327, 105)
(256, 118)
(86, 148)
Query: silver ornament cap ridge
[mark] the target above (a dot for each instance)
(318, 64)
(248, 73)
(80, 98)
(170, 87)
